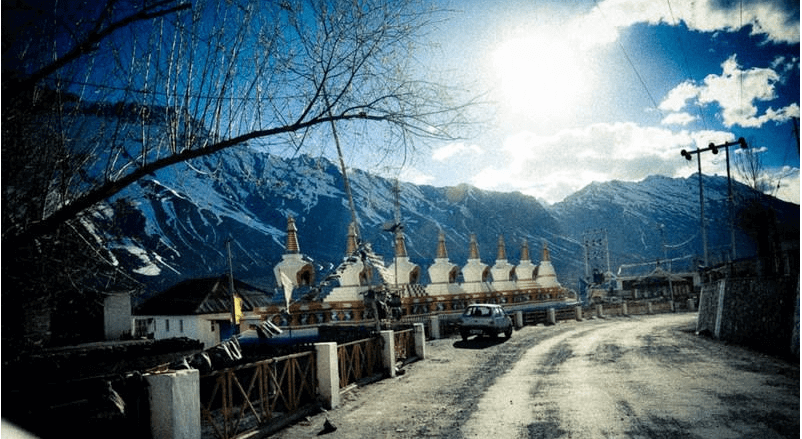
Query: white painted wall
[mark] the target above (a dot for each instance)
(117, 316)
(202, 328)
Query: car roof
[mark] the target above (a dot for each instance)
(485, 304)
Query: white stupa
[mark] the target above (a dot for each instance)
(402, 273)
(475, 274)
(503, 272)
(353, 275)
(442, 274)
(546, 277)
(293, 271)
(525, 271)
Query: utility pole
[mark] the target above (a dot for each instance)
(714, 148)
(231, 286)
(665, 258)
(796, 132)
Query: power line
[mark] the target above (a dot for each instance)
(632, 65)
(685, 64)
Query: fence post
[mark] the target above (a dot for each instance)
(578, 311)
(552, 319)
(671, 308)
(388, 352)
(328, 373)
(519, 319)
(624, 310)
(434, 327)
(420, 341)
(690, 305)
(649, 308)
(599, 311)
(175, 404)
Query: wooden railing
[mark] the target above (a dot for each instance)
(404, 344)
(242, 399)
(359, 360)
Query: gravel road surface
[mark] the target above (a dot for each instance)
(623, 377)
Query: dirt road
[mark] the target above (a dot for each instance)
(641, 376)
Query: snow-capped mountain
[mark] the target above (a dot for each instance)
(175, 224)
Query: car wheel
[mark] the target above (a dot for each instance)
(464, 335)
(508, 332)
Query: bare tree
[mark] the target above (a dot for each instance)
(753, 172)
(113, 93)
(97, 96)
(756, 214)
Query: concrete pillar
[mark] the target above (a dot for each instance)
(624, 310)
(519, 319)
(578, 310)
(175, 404)
(328, 374)
(690, 305)
(552, 317)
(388, 353)
(599, 311)
(434, 327)
(649, 308)
(420, 340)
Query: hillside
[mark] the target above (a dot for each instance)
(175, 224)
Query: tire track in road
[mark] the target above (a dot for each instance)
(506, 407)
(573, 384)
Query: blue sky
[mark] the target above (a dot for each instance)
(614, 89)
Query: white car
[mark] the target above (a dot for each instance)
(484, 318)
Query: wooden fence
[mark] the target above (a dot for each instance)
(404, 344)
(359, 360)
(241, 399)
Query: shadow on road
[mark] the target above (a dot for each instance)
(479, 342)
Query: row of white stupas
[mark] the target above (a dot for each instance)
(355, 276)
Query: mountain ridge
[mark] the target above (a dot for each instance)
(174, 225)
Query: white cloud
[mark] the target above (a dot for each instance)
(736, 91)
(601, 24)
(552, 167)
(676, 99)
(452, 149)
(678, 119)
(415, 176)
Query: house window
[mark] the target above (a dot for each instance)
(212, 322)
(166, 325)
(181, 325)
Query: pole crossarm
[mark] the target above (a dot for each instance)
(714, 148)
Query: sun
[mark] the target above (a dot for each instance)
(540, 75)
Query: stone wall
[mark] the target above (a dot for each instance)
(756, 312)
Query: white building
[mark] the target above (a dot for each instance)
(199, 309)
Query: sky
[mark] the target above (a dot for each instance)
(600, 90)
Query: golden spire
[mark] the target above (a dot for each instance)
(441, 246)
(350, 246)
(502, 249)
(546, 256)
(525, 251)
(292, 236)
(400, 247)
(474, 251)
